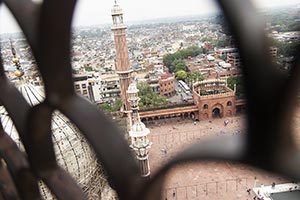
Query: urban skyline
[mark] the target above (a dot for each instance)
(93, 12)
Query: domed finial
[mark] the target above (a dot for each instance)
(115, 2)
(19, 72)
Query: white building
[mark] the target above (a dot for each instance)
(71, 149)
(81, 85)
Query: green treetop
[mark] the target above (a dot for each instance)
(148, 98)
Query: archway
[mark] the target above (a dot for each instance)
(229, 103)
(192, 115)
(186, 115)
(150, 120)
(156, 120)
(144, 121)
(216, 113)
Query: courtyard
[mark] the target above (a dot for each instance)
(205, 180)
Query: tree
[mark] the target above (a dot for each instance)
(238, 81)
(88, 68)
(144, 89)
(193, 77)
(221, 42)
(181, 75)
(111, 107)
(168, 59)
(148, 98)
(206, 39)
(179, 65)
(222, 57)
(171, 61)
(286, 49)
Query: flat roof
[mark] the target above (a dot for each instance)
(291, 195)
(286, 191)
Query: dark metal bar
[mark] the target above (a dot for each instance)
(26, 13)
(18, 168)
(7, 187)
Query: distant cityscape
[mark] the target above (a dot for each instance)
(93, 54)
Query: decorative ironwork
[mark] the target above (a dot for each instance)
(46, 25)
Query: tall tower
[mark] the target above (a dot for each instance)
(138, 133)
(19, 72)
(122, 59)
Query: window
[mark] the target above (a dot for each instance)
(83, 85)
(84, 91)
(229, 103)
(205, 106)
(77, 87)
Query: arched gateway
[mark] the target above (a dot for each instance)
(217, 111)
(214, 99)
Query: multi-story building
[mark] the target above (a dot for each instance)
(153, 81)
(81, 85)
(225, 51)
(166, 85)
(110, 87)
(234, 59)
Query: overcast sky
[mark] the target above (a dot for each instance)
(93, 12)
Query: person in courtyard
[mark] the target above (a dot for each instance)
(226, 122)
(248, 190)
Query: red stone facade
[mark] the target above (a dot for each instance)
(166, 85)
(122, 60)
(208, 105)
(225, 105)
(215, 105)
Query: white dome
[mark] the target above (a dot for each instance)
(71, 149)
(132, 88)
(139, 129)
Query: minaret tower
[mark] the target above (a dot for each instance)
(19, 72)
(138, 133)
(122, 59)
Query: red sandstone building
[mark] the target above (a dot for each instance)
(211, 98)
(214, 99)
(166, 85)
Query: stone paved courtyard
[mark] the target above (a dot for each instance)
(205, 180)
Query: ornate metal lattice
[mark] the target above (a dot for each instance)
(46, 25)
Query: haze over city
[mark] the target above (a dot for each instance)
(94, 12)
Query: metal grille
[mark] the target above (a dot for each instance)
(271, 97)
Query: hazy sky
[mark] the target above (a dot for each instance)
(91, 12)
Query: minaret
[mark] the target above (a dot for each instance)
(138, 133)
(122, 59)
(19, 72)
